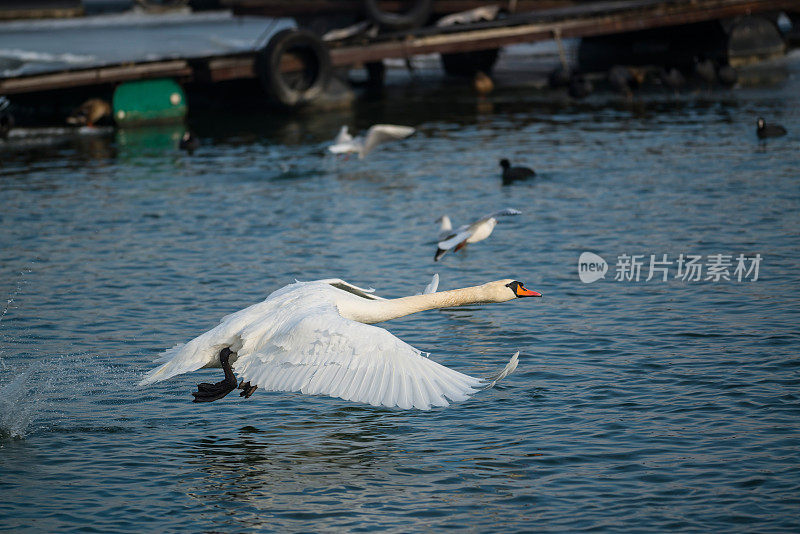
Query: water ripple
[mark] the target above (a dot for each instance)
(649, 406)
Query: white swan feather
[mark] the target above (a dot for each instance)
(303, 338)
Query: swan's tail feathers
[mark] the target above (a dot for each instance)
(176, 361)
(156, 375)
(490, 381)
(168, 354)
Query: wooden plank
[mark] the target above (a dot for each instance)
(30, 9)
(95, 76)
(40, 13)
(660, 15)
(288, 8)
(224, 69)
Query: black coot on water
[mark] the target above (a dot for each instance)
(764, 130)
(511, 174)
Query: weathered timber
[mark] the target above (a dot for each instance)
(291, 8)
(179, 69)
(599, 19)
(584, 20)
(37, 9)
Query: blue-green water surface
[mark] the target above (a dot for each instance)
(650, 406)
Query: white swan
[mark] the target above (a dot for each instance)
(468, 233)
(363, 145)
(317, 338)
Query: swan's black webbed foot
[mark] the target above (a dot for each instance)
(210, 392)
(247, 389)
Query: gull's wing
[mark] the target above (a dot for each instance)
(446, 227)
(501, 213)
(455, 238)
(323, 353)
(381, 133)
(343, 143)
(343, 136)
(452, 240)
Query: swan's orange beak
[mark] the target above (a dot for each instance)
(522, 292)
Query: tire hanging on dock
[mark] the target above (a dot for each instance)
(295, 87)
(414, 17)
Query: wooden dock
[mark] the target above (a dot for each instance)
(586, 19)
(293, 8)
(35, 9)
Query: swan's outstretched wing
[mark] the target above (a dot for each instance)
(501, 213)
(244, 329)
(338, 283)
(381, 133)
(325, 354)
(433, 286)
(203, 351)
(369, 294)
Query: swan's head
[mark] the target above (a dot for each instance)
(760, 123)
(505, 290)
(505, 163)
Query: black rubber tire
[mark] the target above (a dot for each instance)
(468, 63)
(294, 88)
(415, 17)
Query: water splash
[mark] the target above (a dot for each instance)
(15, 408)
(63, 391)
(21, 282)
(21, 400)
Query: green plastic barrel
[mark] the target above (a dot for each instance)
(148, 102)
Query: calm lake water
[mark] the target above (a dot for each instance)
(655, 405)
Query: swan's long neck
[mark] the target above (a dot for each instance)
(376, 311)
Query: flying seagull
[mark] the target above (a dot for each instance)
(364, 144)
(468, 233)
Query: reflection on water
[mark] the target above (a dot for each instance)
(147, 141)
